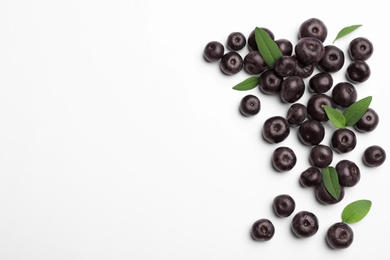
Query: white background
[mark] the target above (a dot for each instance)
(118, 141)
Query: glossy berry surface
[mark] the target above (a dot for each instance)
(276, 129)
(339, 235)
(311, 132)
(231, 63)
(333, 59)
(283, 159)
(285, 66)
(283, 205)
(236, 41)
(250, 105)
(305, 224)
(368, 122)
(270, 82)
(343, 140)
(213, 51)
(348, 173)
(303, 70)
(374, 156)
(321, 156)
(309, 50)
(360, 49)
(358, 71)
(296, 114)
(321, 82)
(292, 89)
(254, 63)
(344, 94)
(285, 46)
(324, 197)
(313, 27)
(315, 109)
(311, 177)
(262, 230)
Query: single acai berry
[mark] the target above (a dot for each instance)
(368, 122)
(333, 59)
(270, 82)
(283, 159)
(292, 89)
(348, 173)
(311, 177)
(343, 140)
(236, 41)
(374, 156)
(296, 114)
(313, 27)
(285, 46)
(311, 132)
(339, 235)
(321, 82)
(360, 49)
(283, 205)
(285, 66)
(309, 50)
(305, 224)
(303, 70)
(252, 45)
(324, 197)
(344, 94)
(321, 156)
(254, 63)
(315, 109)
(213, 51)
(276, 129)
(250, 105)
(358, 71)
(231, 63)
(262, 230)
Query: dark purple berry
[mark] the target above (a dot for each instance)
(270, 82)
(213, 51)
(313, 27)
(358, 71)
(360, 49)
(374, 156)
(252, 45)
(305, 224)
(310, 177)
(343, 140)
(231, 63)
(262, 230)
(285, 46)
(236, 41)
(344, 94)
(348, 172)
(285, 66)
(254, 63)
(309, 50)
(368, 122)
(250, 105)
(325, 197)
(283, 159)
(315, 108)
(333, 59)
(303, 70)
(321, 82)
(311, 132)
(283, 205)
(321, 156)
(292, 89)
(276, 129)
(339, 236)
(296, 114)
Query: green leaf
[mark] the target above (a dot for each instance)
(355, 111)
(336, 117)
(331, 181)
(268, 49)
(356, 211)
(247, 84)
(346, 30)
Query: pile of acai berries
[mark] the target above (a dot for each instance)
(284, 76)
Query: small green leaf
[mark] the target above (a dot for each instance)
(247, 84)
(355, 111)
(268, 49)
(356, 211)
(346, 30)
(336, 117)
(331, 181)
